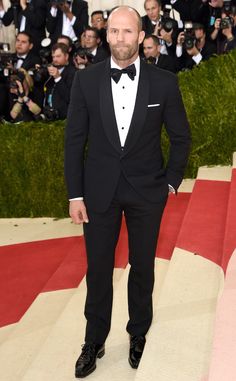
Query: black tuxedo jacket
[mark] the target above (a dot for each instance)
(61, 91)
(91, 118)
(35, 14)
(30, 61)
(54, 24)
(166, 62)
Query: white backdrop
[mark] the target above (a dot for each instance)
(108, 4)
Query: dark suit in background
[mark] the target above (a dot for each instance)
(55, 24)
(132, 179)
(60, 91)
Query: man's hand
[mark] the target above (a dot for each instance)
(180, 39)
(23, 4)
(77, 211)
(166, 36)
(193, 51)
(53, 71)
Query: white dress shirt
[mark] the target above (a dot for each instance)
(67, 24)
(124, 96)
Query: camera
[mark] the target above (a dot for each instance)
(167, 23)
(189, 36)
(83, 53)
(49, 114)
(226, 22)
(6, 58)
(16, 75)
(150, 60)
(40, 74)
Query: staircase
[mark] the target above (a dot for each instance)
(191, 327)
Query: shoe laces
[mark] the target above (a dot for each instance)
(137, 340)
(88, 350)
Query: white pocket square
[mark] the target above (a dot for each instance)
(154, 105)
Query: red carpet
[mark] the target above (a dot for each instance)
(203, 226)
(30, 268)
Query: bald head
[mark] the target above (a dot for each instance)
(127, 11)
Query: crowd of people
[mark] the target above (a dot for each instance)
(54, 39)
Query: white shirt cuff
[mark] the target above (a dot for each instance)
(2, 13)
(53, 11)
(57, 79)
(197, 58)
(179, 50)
(171, 189)
(76, 199)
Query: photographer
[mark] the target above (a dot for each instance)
(229, 29)
(28, 16)
(152, 17)
(58, 86)
(69, 18)
(152, 54)
(193, 46)
(91, 53)
(99, 21)
(221, 21)
(23, 105)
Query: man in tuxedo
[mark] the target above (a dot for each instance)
(57, 87)
(94, 52)
(152, 54)
(67, 17)
(152, 17)
(118, 106)
(25, 58)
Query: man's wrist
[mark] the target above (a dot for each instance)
(76, 199)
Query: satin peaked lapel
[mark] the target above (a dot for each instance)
(107, 108)
(140, 110)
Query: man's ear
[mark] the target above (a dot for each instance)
(31, 45)
(141, 37)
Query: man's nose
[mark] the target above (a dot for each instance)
(120, 36)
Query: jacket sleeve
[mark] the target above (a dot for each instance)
(76, 134)
(177, 127)
(81, 21)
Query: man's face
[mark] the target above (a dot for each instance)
(150, 49)
(23, 46)
(98, 21)
(152, 9)
(90, 39)
(123, 34)
(199, 33)
(59, 58)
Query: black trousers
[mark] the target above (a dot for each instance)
(101, 236)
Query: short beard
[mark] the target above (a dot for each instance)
(124, 55)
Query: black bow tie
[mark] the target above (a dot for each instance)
(116, 73)
(20, 58)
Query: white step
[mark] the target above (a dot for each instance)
(19, 230)
(29, 334)
(57, 356)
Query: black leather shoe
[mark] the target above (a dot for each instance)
(137, 344)
(86, 362)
